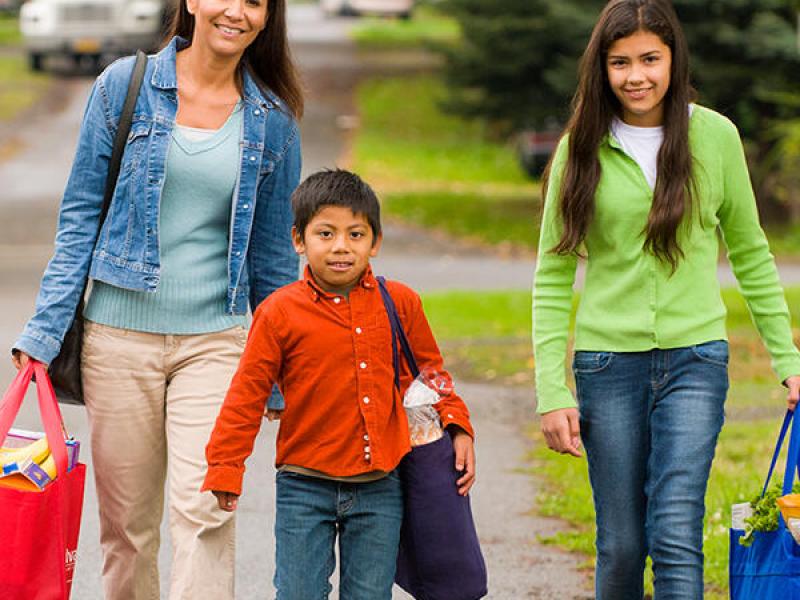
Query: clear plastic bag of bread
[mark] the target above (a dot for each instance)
(419, 401)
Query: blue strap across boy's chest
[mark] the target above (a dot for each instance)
(397, 334)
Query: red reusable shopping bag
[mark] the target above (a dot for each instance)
(39, 529)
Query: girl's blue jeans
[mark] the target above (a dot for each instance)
(649, 424)
(311, 512)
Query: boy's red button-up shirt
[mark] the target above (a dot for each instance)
(331, 356)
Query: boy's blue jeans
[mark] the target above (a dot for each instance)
(310, 514)
(649, 423)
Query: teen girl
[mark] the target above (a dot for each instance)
(200, 223)
(640, 184)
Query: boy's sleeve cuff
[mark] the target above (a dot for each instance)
(223, 479)
(453, 418)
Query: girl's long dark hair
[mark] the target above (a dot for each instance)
(594, 107)
(268, 58)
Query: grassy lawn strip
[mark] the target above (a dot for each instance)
(9, 31)
(19, 88)
(486, 336)
(426, 26)
(426, 164)
(436, 170)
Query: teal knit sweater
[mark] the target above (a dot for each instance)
(194, 218)
(630, 303)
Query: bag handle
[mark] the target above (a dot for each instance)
(397, 334)
(48, 410)
(123, 129)
(120, 139)
(792, 457)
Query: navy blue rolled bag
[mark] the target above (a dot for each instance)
(440, 556)
(769, 569)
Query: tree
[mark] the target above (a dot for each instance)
(516, 64)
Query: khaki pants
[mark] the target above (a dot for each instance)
(152, 401)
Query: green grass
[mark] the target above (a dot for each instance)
(426, 164)
(405, 138)
(427, 26)
(494, 218)
(19, 88)
(9, 31)
(486, 336)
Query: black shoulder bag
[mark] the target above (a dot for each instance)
(65, 370)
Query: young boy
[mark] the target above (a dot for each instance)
(326, 341)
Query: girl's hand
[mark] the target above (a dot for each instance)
(562, 431)
(227, 501)
(793, 383)
(465, 459)
(20, 359)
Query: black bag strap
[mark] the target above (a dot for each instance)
(397, 334)
(123, 129)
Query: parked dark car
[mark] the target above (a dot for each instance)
(534, 149)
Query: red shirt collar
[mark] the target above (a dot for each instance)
(367, 281)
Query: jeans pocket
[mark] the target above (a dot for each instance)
(715, 353)
(585, 362)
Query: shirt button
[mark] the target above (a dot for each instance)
(366, 399)
(337, 300)
(366, 438)
(449, 416)
(363, 365)
(366, 450)
(358, 330)
(366, 457)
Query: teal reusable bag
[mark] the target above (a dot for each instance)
(769, 569)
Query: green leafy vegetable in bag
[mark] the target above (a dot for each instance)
(765, 512)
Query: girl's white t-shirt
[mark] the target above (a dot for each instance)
(642, 145)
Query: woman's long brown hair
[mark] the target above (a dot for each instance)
(268, 58)
(594, 107)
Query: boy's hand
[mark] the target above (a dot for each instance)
(273, 414)
(562, 431)
(465, 459)
(227, 501)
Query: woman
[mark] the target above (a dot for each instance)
(200, 222)
(640, 183)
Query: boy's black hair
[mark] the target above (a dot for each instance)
(335, 188)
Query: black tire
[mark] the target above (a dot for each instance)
(36, 62)
(406, 16)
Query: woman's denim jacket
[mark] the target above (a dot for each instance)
(260, 254)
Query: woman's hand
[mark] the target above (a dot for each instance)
(562, 431)
(465, 459)
(793, 383)
(227, 501)
(20, 359)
